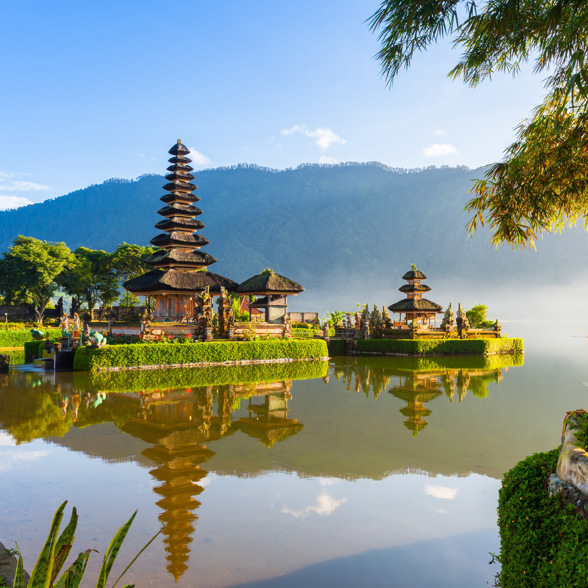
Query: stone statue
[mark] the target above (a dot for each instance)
(287, 327)
(326, 331)
(375, 321)
(357, 322)
(95, 339)
(447, 322)
(462, 322)
(37, 335)
(365, 322)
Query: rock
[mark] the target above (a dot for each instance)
(572, 463)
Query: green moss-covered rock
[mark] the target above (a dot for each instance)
(543, 542)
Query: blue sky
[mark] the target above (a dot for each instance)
(95, 90)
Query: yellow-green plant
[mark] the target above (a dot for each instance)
(56, 551)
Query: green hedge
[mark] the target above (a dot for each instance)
(32, 350)
(337, 347)
(442, 346)
(19, 338)
(542, 542)
(215, 351)
(17, 356)
(142, 380)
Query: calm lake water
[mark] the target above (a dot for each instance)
(374, 472)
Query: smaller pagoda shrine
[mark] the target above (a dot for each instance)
(414, 306)
(180, 266)
(271, 291)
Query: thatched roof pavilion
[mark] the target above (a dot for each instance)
(177, 275)
(273, 290)
(414, 306)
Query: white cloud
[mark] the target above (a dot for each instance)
(324, 137)
(325, 506)
(20, 186)
(442, 492)
(328, 481)
(440, 132)
(439, 150)
(8, 459)
(198, 158)
(9, 202)
(6, 439)
(328, 160)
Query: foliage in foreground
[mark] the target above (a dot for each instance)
(137, 355)
(56, 550)
(542, 542)
(541, 185)
(443, 346)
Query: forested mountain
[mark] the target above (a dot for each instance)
(323, 226)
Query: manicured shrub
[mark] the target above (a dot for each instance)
(211, 352)
(22, 336)
(542, 542)
(141, 380)
(336, 347)
(442, 346)
(17, 356)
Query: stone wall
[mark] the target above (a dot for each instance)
(303, 317)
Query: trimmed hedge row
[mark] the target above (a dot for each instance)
(543, 543)
(19, 338)
(143, 380)
(33, 349)
(137, 355)
(337, 347)
(442, 346)
(17, 356)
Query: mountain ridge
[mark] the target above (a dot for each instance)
(321, 225)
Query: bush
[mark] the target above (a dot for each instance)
(136, 355)
(543, 543)
(336, 347)
(134, 381)
(22, 336)
(32, 350)
(442, 346)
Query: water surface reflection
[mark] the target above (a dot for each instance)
(274, 477)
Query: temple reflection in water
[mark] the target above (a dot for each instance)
(173, 427)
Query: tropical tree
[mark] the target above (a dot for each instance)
(477, 317)
(541, 184)
(29, 270)
(91, 278)
(129, 260)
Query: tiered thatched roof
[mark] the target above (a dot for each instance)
(268, 282)
(179, 257)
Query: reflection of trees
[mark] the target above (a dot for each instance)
(30, 409)
(417, 381)
(177, 423)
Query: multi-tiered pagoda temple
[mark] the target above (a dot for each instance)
(178, 275)
(414, 306)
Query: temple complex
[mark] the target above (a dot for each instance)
(414, 306)
(179, 265)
